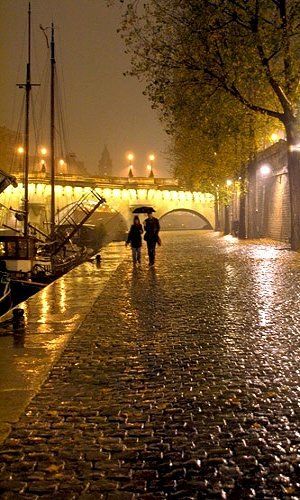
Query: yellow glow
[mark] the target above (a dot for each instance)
(44, 306)
(107, 192)
(275, 137)
(68, 190)
(43, 151)
(149, 168)
(58, 190)
(133, 193)
(78, 191)
(151, 157)
(295, 147)
(265, 169)
(63, 295)
(167, 195)
(229, 182)
(116, 193)
(61, 162)
(151, 194)
(20, 150)
(43, 162)
(40, 188)
(130, 156)
(142, 194)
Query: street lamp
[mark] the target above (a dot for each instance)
(130, 158)
(20, 151)
(61, 166)
(265, 170)
(150, 165)
(43, 167)
(229, 184)
(274, 137)
(43, 151)
(295, 147)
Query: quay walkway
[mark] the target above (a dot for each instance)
(178, 381)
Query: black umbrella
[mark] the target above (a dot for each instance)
(143, 210)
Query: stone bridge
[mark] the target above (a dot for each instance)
(122, 196)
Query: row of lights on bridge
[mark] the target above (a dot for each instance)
(151, 159)
(43, 153)
(61, 162)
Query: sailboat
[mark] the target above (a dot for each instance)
(31, 257)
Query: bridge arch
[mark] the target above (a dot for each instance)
(187, 210)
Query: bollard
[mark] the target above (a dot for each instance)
(18, 324)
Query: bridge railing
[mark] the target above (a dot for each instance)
(95, 181)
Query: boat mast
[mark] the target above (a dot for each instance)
(52, 132)
(27, 110)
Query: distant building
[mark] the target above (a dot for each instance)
(105, 164)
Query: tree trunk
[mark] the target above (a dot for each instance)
(217, 214)
(226, 219)
(242, 234)
(293, 154)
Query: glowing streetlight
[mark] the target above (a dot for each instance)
(275, 137)
(43, 166)
(265, 170)
(43, 151)
(20, 151)
(295, 147)
(130, 158)
(61, 163)
(229, 182)
(150, 165)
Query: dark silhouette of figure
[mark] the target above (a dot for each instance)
(152, 227)
(135, 240)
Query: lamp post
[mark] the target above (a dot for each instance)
(229, 184)
(130, 158)
(20, 151)
(150, 165)
(43, 152)
(265, 170)
(61, 166)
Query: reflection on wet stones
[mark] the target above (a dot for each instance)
(181, 384)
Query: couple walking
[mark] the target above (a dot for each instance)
(151, 226)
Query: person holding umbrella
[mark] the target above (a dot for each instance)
(152, 227)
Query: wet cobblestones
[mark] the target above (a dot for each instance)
(182, 383)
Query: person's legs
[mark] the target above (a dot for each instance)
(138, 254)
(134, 254)
(151, 251)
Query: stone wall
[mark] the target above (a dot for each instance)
(268, 206)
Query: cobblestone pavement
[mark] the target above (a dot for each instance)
(182, 383)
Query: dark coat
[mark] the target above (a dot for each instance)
(152, 228)
(135, 235)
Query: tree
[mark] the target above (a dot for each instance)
(245, 50)
(209, 149)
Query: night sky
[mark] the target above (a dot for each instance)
(102, 106)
